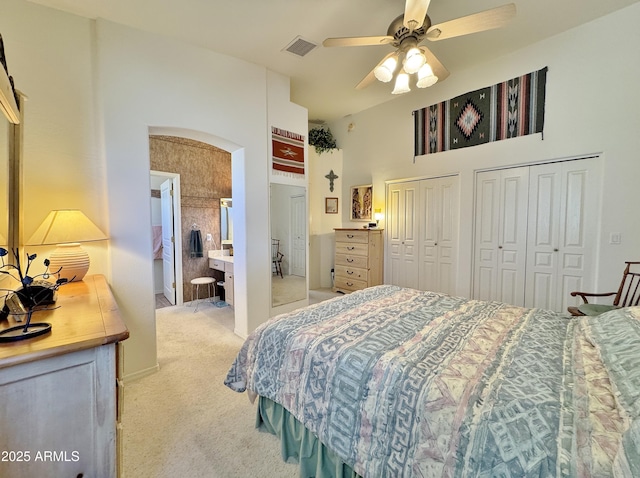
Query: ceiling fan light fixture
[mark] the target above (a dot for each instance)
(384, 72)
(426, 77)
(414, 60)
(402, 84)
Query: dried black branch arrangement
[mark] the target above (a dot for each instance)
(35, 293)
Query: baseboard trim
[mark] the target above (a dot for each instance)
(140, 374)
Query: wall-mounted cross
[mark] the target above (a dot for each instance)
(331, 176)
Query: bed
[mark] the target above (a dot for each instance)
(395, 382)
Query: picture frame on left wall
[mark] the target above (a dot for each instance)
(331, 205)
(362, 202)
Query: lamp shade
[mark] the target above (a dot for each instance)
(426, 77)
(402, 84)
(414, 60)
(385, 71)
(64, 226)
(67, 228)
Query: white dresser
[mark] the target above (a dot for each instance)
(358, 260)
(61, 393)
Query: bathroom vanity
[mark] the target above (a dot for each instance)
(223, 264)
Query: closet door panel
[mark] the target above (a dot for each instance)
(580, 212)
(543, 241)
(403, 235)
(563, 211)
(500, 232)
(448, 234)
(487, 230)
(428, 279)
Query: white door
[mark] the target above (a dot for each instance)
(438, 222)
(168, 252)
(298, 235)
(563, 211)
(501, 235)
(402, 234)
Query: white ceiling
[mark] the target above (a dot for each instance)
(323, 81)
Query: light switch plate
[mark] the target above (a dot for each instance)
(615, 238)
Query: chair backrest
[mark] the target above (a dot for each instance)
(629, 292)
(275, 248)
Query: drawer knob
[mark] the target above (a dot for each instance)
(350, 272)
(349, 259)
(350, 236)
(350, 284)
(350, 248)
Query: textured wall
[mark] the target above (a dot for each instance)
(205, 177)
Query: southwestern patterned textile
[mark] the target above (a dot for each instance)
(405, 383)
(287, 152)
(506, 110)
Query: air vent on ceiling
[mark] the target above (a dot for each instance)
(300, 47)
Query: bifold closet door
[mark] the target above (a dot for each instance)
(501, 235)
(438, 234)
(564, 201)
(402, 234)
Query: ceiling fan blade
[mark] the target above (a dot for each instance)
(357, 41)
(477, 22)
(370, 78)
(414, 13)
(438, 68)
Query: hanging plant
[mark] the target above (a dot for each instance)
(322, 140)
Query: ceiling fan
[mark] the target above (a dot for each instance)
(406, 34)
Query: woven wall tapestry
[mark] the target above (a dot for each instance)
(506, 110)
(287, 152)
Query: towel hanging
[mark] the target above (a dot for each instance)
(195, 244)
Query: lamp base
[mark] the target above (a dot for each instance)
(73, 259)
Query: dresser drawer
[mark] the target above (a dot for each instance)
(352, 248)
(349, 284)
(361, 237)
(351, 272)
(351, 260)
(216, 264)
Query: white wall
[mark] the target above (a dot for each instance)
(96, 90)
(321, 239)
(147, 80)
(591, 105)
(49, 56)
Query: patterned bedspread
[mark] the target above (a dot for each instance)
(405, 383)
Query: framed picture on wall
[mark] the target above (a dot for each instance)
(331, 205)
(361, 202)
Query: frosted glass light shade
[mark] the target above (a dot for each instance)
(402, 84)
(426, 77)
(414, 60)
(67, 228)
(384, 72)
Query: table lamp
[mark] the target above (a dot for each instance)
(67, 228)
(378, 216)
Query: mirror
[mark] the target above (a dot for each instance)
(289, 244)
(226, 221)
(4, 184)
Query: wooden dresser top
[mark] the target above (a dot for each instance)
(87, 316)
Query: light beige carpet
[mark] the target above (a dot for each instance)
(182, 421)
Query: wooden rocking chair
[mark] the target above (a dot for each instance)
(628, 295)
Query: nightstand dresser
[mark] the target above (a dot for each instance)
(358, 260)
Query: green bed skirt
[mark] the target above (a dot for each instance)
(299, 445)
